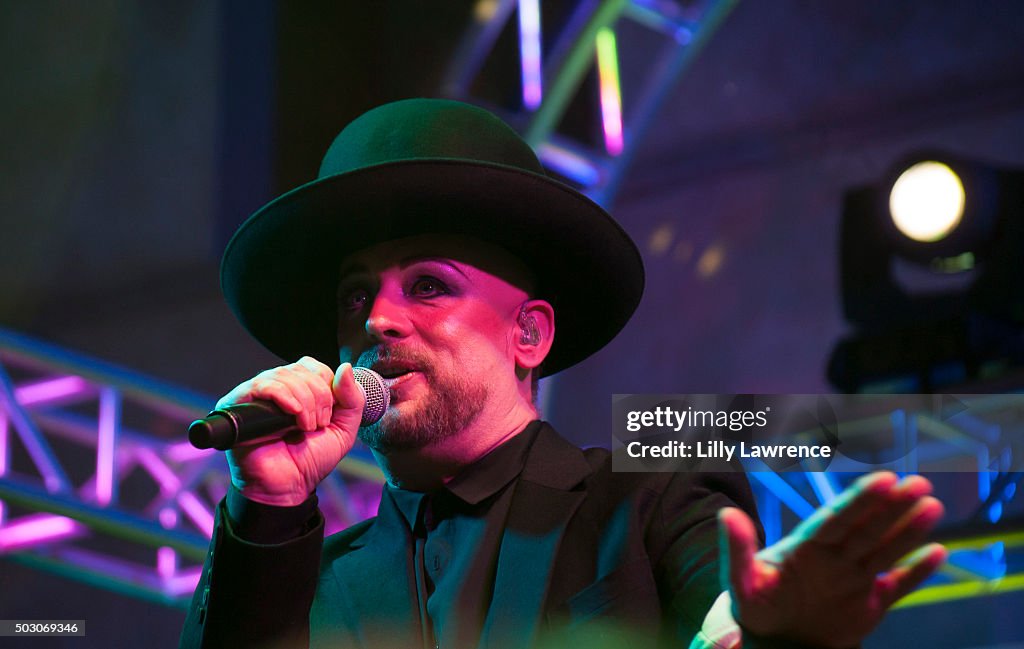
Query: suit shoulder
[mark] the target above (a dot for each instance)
(602, 475)
(684, 486)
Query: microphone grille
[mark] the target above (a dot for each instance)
(378, 397)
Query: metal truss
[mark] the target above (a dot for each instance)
(98, 483)
(973, 457)
(989, 561)
(593, 36)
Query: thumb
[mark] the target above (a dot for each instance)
(737, 544)
(349, 398)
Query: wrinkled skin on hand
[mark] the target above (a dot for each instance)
(328, 406)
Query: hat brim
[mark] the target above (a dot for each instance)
(279, 272)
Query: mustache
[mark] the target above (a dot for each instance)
(383, 355)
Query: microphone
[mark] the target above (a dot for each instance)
(247, 422)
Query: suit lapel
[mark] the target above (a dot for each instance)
(382, 611)
(541, 508)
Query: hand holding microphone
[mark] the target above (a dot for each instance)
(308, 417)
(241, 423)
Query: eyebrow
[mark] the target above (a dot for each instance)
(405, 262)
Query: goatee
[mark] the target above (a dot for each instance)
(451, 405)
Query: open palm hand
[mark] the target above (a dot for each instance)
(830, 581)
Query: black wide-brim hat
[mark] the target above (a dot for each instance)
(422, 166)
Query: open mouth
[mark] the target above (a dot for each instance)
(392, 372)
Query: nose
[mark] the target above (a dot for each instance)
(388, 319)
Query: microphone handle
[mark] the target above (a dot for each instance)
(242, 422)
(256, 420)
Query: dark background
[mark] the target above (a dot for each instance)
(138, 135)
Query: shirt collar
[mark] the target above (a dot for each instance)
(492, 472)
(477, 482)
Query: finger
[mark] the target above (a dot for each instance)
(908, 534)
(265, 389)
(887, 516)
(316, 367)
(293, 388)
(302, 383)
(266, 385)
(833, 523)
(737, 540)
(348, 396)
(900, 581)
(319, 379)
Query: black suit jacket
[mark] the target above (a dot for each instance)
(584, 550)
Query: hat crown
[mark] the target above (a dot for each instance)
(427, 129)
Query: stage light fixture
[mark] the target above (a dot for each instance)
(927, 201)
(932, 273)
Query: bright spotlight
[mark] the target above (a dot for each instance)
(927, 201)
(932, 275)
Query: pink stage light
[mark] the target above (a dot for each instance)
(169, 483)
(166, 562)
(106, 440)
(168, 517)
(196, 511)
(183, 583)
(4, 430)
(529, 52)
(36, 529)
(50, 390)
(185, 452)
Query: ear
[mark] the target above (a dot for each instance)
(534, 333)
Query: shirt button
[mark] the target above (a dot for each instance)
(438, 555)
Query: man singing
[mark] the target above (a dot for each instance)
(433, 249)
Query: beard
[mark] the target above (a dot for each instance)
(451, 404)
